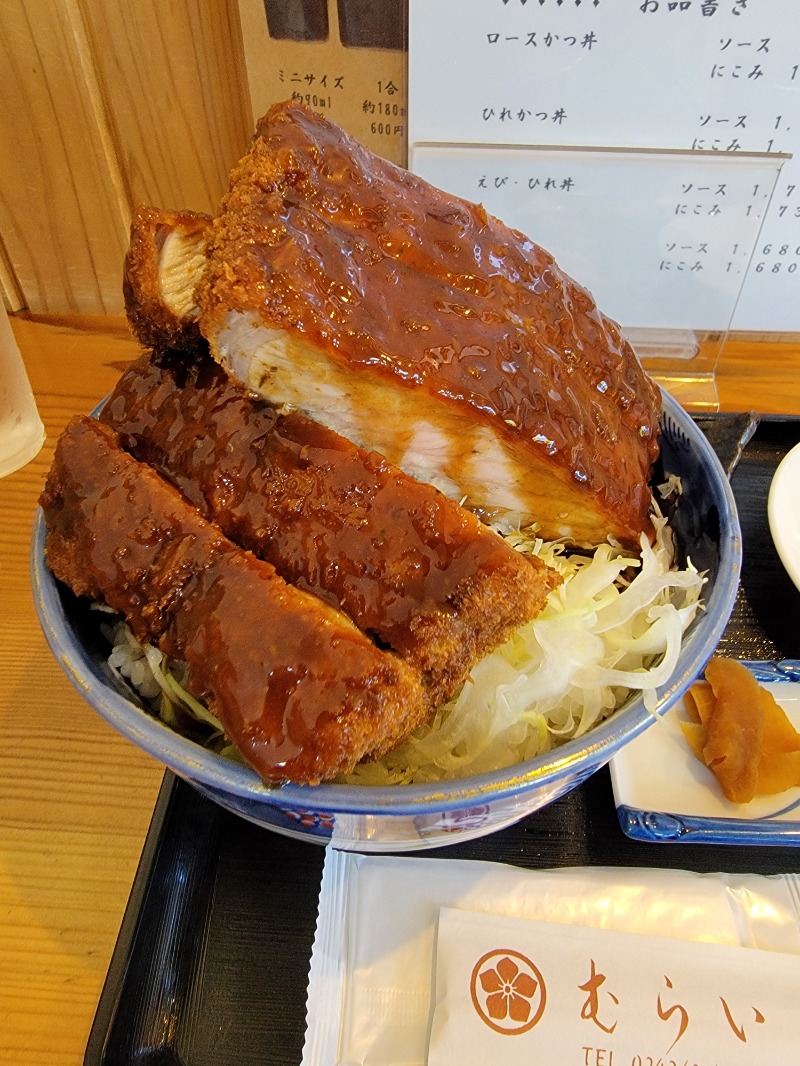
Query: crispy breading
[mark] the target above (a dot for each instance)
(299, 689)
(164, 261)
(415, 324)
(410, 567)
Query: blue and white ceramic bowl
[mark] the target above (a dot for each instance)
(413, 817)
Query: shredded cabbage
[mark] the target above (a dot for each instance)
(162, 683)
(612, 628)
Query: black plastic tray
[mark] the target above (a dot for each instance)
(211, 964)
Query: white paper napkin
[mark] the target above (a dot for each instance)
(514, 991)
(371, 982)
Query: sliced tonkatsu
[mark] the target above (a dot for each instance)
(299, 689)
(411, 568)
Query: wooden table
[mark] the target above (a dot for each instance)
(75, 798)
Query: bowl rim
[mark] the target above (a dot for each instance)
(578, 757)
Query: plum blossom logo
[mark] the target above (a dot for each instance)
(508, 992)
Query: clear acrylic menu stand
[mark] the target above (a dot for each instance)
(662, 239)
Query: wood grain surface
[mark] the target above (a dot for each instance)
(75, 798)
(104, 104)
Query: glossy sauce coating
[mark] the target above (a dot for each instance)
(397, 279)
(146, 276)
(411, 568)
(300, 691)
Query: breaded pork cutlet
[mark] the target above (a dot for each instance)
(413, 323)
(411, 568)
(301, 692)
(163, 264)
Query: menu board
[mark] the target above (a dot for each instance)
(344, 58)
(700, 76)
(663, 240)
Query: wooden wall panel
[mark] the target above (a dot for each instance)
(9, 289)
(174, 80)
(62, 220)
(103, 104)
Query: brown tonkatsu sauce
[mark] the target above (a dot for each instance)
(411, 568)
(299, 689)
(400, 281)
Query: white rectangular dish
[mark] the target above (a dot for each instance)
(663, 793)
